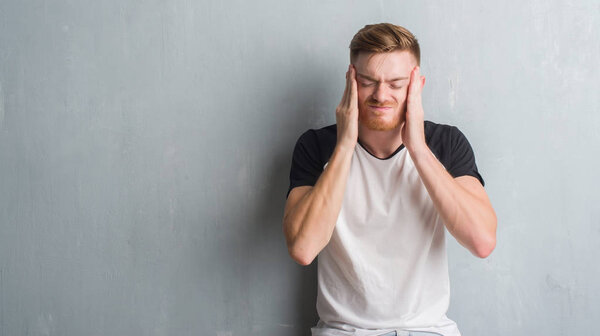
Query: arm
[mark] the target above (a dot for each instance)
(461, 202)
(311, 212)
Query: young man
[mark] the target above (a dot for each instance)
(371, 196)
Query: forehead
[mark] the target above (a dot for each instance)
(385, 65)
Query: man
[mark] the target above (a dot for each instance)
(371, 196)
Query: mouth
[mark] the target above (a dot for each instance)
(380, 108)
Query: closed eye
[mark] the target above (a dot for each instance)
(397, 84)
(393, 86)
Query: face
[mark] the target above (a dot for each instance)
(382, 83)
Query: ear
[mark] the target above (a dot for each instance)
(422, 82)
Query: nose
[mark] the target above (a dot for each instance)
(381, 93)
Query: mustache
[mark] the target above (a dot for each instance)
(377, 104)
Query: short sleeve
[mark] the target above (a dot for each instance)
(306, 166)
(463, 158)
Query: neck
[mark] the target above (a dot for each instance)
(382, 144)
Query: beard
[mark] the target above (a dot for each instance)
(377, 121)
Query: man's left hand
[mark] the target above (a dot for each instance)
(413, 130)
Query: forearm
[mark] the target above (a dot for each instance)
(471, 220)
(311, 222)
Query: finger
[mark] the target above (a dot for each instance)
(353, 88)
(348, 90)
(414, 82)
(345, 94)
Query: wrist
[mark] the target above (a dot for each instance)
(419, 151)
(345, 147)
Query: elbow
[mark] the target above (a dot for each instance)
(303, 259)
(303, 248)
(297, 252)
(300, 253)
(299, 248)
(485, 247)
(484, 250)
(487, 243)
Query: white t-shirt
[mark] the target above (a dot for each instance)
(385, 267)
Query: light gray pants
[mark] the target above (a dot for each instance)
(411, 333)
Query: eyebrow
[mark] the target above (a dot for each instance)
(375, 80)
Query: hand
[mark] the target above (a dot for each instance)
(346, 113)
(413, 130)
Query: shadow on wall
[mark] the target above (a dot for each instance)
(301, 95)
(302, 293)
(252, 285)
(302, 289)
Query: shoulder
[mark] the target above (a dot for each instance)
(324, 135)
(436, 132)
(438, 138)
(320, 141)
(445, 141)
(452, 149)
(441, 136)
(313, 149)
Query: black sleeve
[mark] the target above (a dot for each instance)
(306, 165)
(463, 159)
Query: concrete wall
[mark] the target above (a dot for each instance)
(145, 148)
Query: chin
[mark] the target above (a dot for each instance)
(380, 124)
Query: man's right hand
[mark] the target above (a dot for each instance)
(347, 112)
(311, 212)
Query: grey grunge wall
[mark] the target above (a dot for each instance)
(145, 148)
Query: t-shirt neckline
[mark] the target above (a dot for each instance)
(387, 158)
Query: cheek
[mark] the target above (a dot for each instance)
(363, 95)
(401, 96)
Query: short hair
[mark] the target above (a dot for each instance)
(384, 37)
